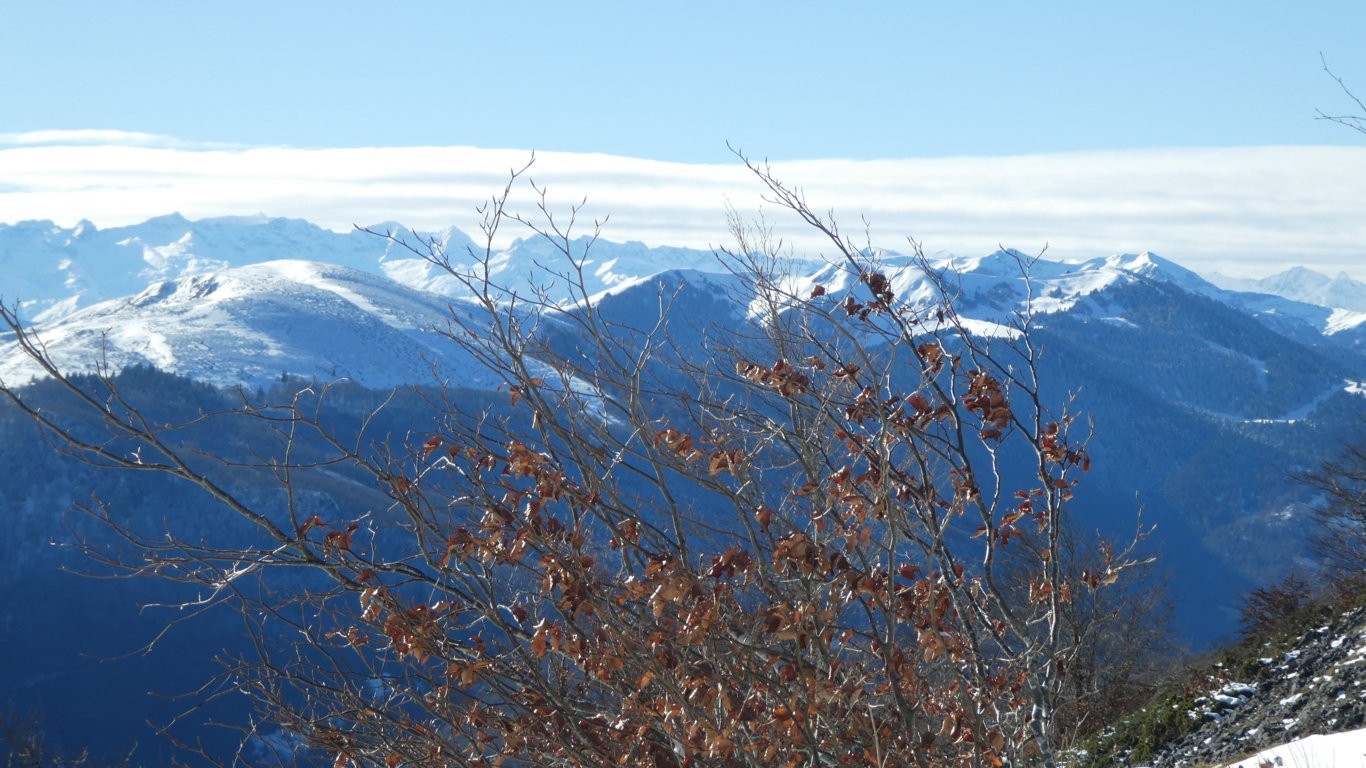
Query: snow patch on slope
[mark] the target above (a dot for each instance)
(1319, 751)
(1343, 320)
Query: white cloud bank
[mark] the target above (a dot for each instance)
(1242, 211)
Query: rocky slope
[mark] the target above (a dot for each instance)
(1259, 695)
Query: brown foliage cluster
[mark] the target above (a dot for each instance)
(813, 639)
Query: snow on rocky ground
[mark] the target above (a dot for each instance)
(1304, 702)
(1338, 750)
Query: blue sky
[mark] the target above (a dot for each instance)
(1091, 128)
(675, 81)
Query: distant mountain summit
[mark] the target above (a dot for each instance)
(1302, 284)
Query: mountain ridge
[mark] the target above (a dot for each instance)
(55, 270)
(1303, 284)
(59, 275)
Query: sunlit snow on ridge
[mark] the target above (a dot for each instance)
(252, 324)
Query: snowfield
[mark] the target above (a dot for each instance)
(1338, 750)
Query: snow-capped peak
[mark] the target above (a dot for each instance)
(1303, 285)
(1151, 266)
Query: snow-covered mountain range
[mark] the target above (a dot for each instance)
(200, 298)
(53, 271)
